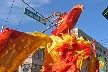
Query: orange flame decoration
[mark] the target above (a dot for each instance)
(69, 54)
(68, 21)
(63, 52)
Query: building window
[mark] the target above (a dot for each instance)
(42, 54)
(105, 60)
(36, 68)
(97, 54)
(104, 52)
(100, 49)
(84, 38)
(26, 67)
(96, 47)
(37, 55)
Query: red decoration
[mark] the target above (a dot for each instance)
(7, 36)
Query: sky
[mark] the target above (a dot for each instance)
(91, 20)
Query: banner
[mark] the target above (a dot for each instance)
(102, 64)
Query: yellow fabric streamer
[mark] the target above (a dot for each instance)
(20, 48)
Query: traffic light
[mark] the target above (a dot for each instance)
(105, 13)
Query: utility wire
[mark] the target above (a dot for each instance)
(22, 18)
(40, 15)
(48, 18)
(36, 11)
(9, 13)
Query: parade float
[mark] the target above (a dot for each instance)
(64, 52)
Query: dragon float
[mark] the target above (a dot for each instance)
(64, 52)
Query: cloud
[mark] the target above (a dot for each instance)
(17, 9)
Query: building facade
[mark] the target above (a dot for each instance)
(100, 49)
(33, 63)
